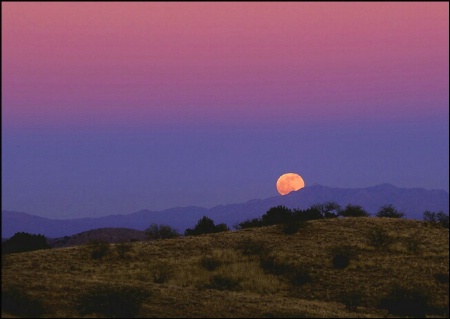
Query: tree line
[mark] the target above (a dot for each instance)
(292, 219)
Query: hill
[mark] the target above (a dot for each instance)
(412, 201)
(109, 235)
(257, 272)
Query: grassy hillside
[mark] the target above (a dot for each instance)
(257, 272)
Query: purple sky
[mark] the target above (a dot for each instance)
(109, 108)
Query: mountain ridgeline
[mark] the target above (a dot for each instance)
(412, 201)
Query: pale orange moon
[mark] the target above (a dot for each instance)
(289, 182)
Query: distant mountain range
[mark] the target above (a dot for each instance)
(412, 201)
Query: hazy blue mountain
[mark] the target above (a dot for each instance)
(412, 201)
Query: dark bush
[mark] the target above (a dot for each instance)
(221, 282)
(340, 261)
(155, 231)
(293, 226)
(112, 301)
(98, 248)
(412, 245)
(210, 262)
(272, 265)
(351, 299)
(389, 211)
(378, 238)
(123, 248)
(250, 223)
(311, 213)
(353, 211)
(402, 301)
(206, 226)
(298, 276)
(162, 272)
(18, 303)
(22, 242)
(251, 247)
(441, 278)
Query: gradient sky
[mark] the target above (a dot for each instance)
(109, 108)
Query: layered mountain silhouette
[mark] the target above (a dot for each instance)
(412, 201)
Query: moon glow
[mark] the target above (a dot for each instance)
(289, 182)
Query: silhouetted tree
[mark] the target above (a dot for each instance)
(353, 211)
(328, 209)
(311, 213)
(439, 218)
(160, 232)
(22, 242)
(276, 215)
(390, 212)
(205, 226)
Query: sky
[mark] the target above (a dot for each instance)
(111, 108)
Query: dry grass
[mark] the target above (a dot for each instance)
(58, 277)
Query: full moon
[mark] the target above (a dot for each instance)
(289, 182)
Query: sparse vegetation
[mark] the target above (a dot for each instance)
(254, 272)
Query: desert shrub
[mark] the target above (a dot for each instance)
(389, 211)
(162, 272)
(402, 301)
(351, 299)
(341, 255)
(112, 301)
(17, 302)
(439, 218)
(298, 276)
(251, 247)
(379, 238)
(441, 278)
(155, 231)
(98, 248)
(353, 211)
(293, 226)
(206, 226)
(271, 264)
(123, 248)
(210, 262)
(340, 261)
(221, 282)
(412, 245)
(21, 242)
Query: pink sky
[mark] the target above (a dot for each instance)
(142, 63)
